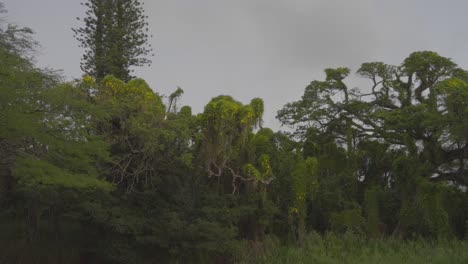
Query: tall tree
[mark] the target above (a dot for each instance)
(115, 38)
(407, 133)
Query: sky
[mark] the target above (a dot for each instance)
(270, 49)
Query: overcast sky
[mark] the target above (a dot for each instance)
(259, 48)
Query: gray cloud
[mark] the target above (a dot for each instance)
(260, 48)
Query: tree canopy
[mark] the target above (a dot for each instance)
(115, 38)
(101, 170)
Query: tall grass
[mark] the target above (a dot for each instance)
(349, 249)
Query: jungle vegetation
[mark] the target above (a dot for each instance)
(103, 169)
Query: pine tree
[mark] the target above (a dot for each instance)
(115, 38)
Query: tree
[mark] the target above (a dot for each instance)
(227, 124)
(131, 116)
(304, 187)
(407, 133)
(48, 160)
(114, 36)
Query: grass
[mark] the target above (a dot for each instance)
(350, 249)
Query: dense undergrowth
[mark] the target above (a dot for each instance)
(354, 249)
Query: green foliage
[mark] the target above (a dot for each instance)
(332, 248)
(99, 170)
(405, 137)
(337, 74)
(173, 97)
(49, 163)
(114, 36)
(227, 126)
(130, 116)
(373, 214)
(349, 220)
(31, 172)
(304, 187)
(44, 130)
